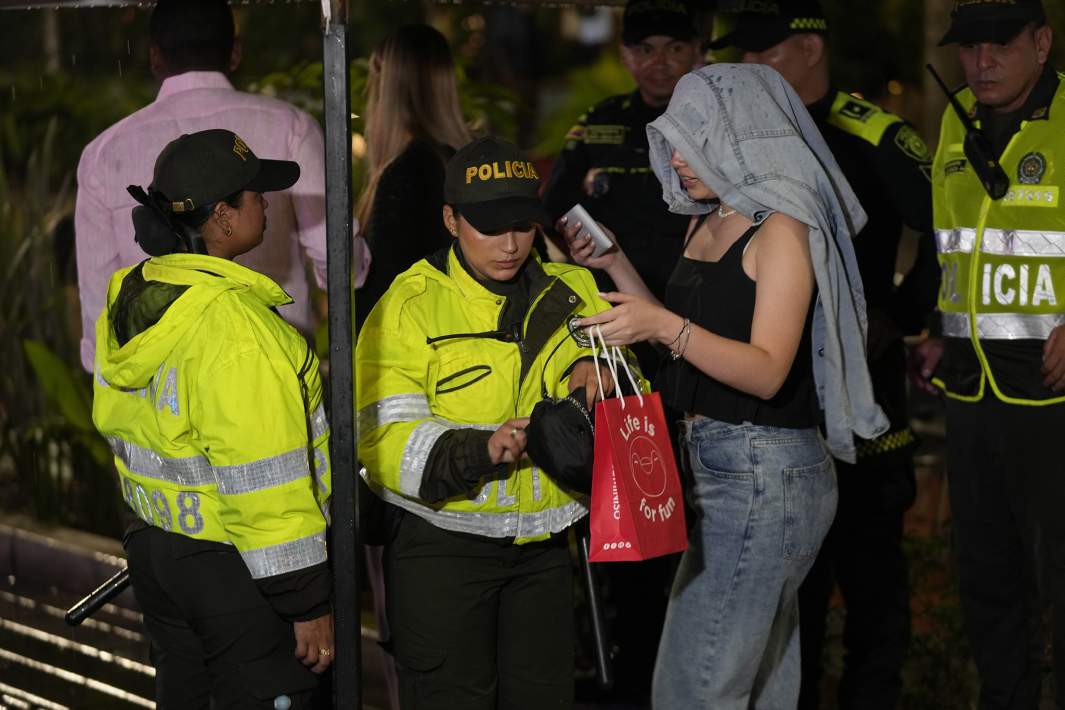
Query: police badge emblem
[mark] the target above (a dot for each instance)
(579, 335)
(910, 143)
(1031, 168)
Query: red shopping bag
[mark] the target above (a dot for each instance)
(637, 507)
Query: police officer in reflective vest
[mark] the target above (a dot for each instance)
(450, 363)
(888, 165)
(1001, 361)
(213, 407)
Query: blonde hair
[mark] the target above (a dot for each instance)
(411, 93)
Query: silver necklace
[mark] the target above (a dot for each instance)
(723, 211)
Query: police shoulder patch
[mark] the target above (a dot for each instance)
(1031, 168)
(860, 118)
(911, 144)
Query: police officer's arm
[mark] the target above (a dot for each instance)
(565, 184)
(905, 166)
(272, 501)
(404, 448)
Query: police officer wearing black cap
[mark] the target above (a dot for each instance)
(227, 556)
(1001, 360)
(888, 166)
(604, 163)
(450, 364)
(604, 166)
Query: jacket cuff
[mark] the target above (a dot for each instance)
(301, 595)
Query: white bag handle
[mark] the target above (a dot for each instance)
(612, 356)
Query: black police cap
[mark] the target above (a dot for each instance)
(648, 18)
(493, 185)
(998, 21)
(761, 24)
(201, 168)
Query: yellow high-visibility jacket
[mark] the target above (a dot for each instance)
(1002, 261)
(213, 410)
(430, 359)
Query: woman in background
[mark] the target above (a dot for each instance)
(413, 125)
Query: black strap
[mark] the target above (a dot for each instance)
(699, 222)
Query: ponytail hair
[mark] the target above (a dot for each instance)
(160, 231)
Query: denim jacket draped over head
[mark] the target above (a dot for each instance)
(746, 134)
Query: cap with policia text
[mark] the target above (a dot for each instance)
(997, 21)
(493, 185)
(647, 18)
(761, 24)
(201, 168)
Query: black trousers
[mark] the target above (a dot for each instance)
(1007, 496)
(477, 623)
(863, 554)
(216, 642)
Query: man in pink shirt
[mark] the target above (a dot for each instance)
(192, 47)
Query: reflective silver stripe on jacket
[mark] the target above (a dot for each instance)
(398, 408)
(285, 557)
(1004, 242)
(197, 471)
(1023, 242)
(186, 471)
(420, 444)
(950, 241)
(502, 524)
(262, 474)
(416, 454)
(319, 423)
(1003, 326)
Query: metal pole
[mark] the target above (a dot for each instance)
(344, 547)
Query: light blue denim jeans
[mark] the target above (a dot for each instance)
(764, 499)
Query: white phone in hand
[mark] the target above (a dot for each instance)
(589, 227)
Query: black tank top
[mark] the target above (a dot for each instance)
(719, 296)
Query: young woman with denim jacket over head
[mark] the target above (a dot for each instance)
(766, 286)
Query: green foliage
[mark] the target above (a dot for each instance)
(73, 109)
(68, 391)
(48, 446)
(585, 87)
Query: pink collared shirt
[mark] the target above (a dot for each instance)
(125, 154)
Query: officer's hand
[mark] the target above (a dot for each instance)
(507, 444)
(924, 358)
(314, 642)
(583, 375)
(581, 248)
(1054, 360)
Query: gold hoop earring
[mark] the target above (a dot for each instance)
(228, 231)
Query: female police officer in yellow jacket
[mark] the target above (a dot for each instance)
(212, 405)
(450, 363)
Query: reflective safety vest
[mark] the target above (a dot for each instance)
(214, 412)
(1002, 261)
(427, 363)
